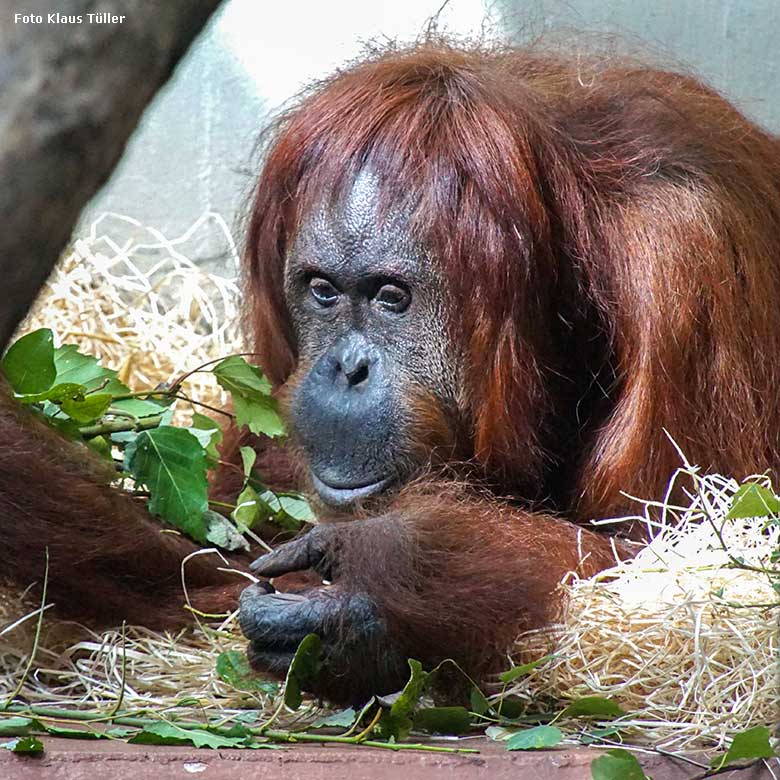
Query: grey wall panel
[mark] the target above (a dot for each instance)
(733, 44)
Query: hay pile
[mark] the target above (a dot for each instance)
(142, 306)
(77, 667)
(687, 644)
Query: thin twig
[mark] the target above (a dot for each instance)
(214, 409)
(120, 426)
(368, 729)
(723, 769)
(185, 376)
(118, 705)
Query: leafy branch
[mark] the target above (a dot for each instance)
(165, 463)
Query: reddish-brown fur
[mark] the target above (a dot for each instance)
(108, 560)
(611, 237)
(458, 575)
(637, 203)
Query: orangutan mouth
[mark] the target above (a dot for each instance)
(343, 495)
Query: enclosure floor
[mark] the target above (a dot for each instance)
(75, 760)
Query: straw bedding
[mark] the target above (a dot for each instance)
(685, 642)
(131, 297)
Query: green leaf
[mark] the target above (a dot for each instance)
(73, 733)
(305, 667)
(343, 719)
(126, 440)
(73, 399)
(235, 375)
(617, 764)
(297, 508)
(499, 733)
(592, 707)
(171, 734)
(478, 702)
(234, 730)
(252, 716)
(271, 502)
(221, 532)
(56, 394)
(29, 745)
(253, 403)
(248, 458)
(520, 671)
(536, 738)
(120, 732)
(233, 668)
(287, 510)
(88, 408)
(172, 464)
(102, 446)
(247, 509)
(140, 407)
(600, 734)
(29, 363)
(443, 720)
(397, 722)
(260, 415)
(511, 707)
(23, 727)
(752, 500)
(208, 433)
(85, 370)
(749, 745)
(18, 726)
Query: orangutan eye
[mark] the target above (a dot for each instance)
(323, 291)
(393, 298)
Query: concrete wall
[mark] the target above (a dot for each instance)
(733, 44)
(192, 152)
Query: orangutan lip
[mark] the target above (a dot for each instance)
(342, 496)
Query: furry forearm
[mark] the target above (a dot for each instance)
(108, 559)
(458, 576)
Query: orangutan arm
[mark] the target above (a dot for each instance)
(109, 561)
(438, 576)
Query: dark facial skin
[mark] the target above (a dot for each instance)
(368, 309)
